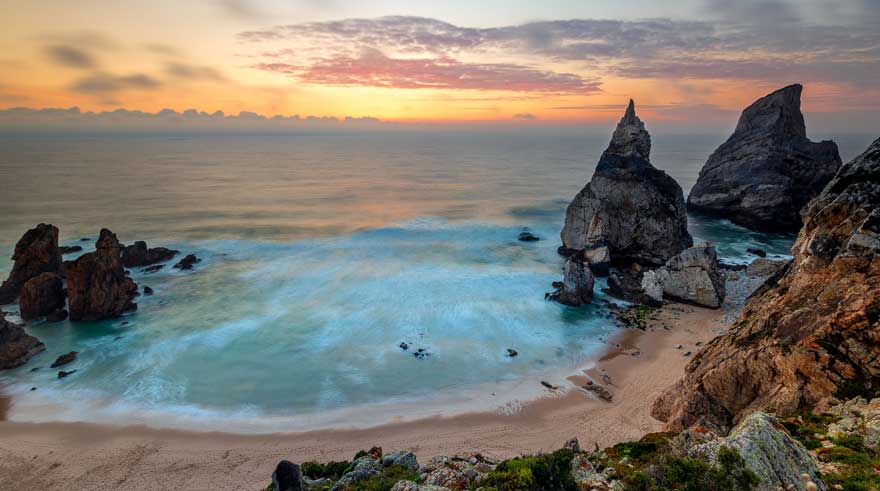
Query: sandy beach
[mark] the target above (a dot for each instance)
(88, 456)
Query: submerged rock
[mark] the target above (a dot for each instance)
(35, 253)
(768, 170)
(64, 359)
(526, 236)
(691, 277)
(16, 346)
(42, 296)
(630, 211)
(97, 284)
(187, 262)
(137, 255)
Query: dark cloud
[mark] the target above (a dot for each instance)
(70, 56)
(525, 116)
(193, 72)
(105, 83)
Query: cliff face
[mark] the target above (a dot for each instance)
(812, 334)
(768, 170)
(629, 209)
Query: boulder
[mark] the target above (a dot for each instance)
(526, 236)
(35, 253)
(577, 283)
(187, 262)
(16, 346)
(361, 469)
(287, 477)
(768, 170)
(777, 458)
(629, 206)
(137, 255)
(403, 458)
(691, 277)
(64, 359)
(42, 296)
(97, 284)
(812, 332)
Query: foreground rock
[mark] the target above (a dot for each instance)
(768, 170)
(16, 346)
(811, 335)
(630, 211)
(287, 477)
(691, 277)
(137, 255)
(97, 284)
(42, 296)
(35, 253)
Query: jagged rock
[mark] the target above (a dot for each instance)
(778, 459)
(599, 258)
(692, 277)
(361, 469)
(42, 296)
(403, 458)
(187, 262)
(64, 359)
(97, 284)
(629, 206)
(70, 249)
(16, 346)
(35, 253)
(857, 417)
(768, 170)
(577, 283)
(812, 331)
(138, 254)
(287, 477)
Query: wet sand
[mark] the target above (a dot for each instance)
(89, 456)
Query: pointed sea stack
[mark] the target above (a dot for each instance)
(768, 170)
(35, 253)
(630, 212)
(97, 284)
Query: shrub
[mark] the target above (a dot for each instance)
(550, 472)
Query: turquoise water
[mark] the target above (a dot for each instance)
(321, 255)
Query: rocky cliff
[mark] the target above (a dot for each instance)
(630, 211)
(97, 284)
(812, 333)
(35, 253)
(768, 170)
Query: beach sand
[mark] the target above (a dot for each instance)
(68, 456)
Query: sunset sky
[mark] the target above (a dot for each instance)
(685, 62)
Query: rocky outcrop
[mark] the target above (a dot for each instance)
(138, 254)
(630, 211)
(768, 170)
(691, 277)
(187, 262)
(768, 451)
(42, 296)
(35, 253)
(98, 286)
(16, 346)
(812, 333)
(577, 283)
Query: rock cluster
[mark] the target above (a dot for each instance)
(98, 285)
(16, 346)
(812, 333)
(691, 277)
(138, 254)
(35, 253)
(630, 211)
(768, 170)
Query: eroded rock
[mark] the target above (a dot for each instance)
(42, 296)
(35, 253)
(16, 346)
(97, 284)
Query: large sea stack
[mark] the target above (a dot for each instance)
(97, 284)
(811, 334)
(35, 253)
(16, 346)
(630, 212)
(767, 171)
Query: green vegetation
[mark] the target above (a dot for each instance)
(330, 470)
(386, 480)
(550, 472)
(636, 316)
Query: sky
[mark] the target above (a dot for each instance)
(688, 63)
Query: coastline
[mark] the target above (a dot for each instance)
(87, 456)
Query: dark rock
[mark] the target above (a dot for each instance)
(732, 267)
(558, 284)
(421, 353)
(549, 385)
(137, 255)
(526, 236)
(768, 170)
(577, 283)
(629, 207)
(70, 249)
(187, 262)
(599, 391)
(287, 477)
(565, 251)
(16, 346)
(62, 373)
(153, 269)
(757, 252)
(573, 444)
(57, 315)
(41, 296)
(403, 346)
(35, 253)
(64, 359)
(97, 284)
(148, 290)
(512, 352)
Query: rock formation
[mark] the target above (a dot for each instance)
(577, 283)
(16, 346)
(187, 262)
(42, 296)
(768, 170)
(630, 211)
(97, 284)
(138, 254)
(35, 253)
(812, 333)
(691, 277)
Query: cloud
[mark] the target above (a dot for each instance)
(103, 83)
(525, 116)
(193, 72)
(71, 57)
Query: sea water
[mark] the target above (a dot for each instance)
(320, 255)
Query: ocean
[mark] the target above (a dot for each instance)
(321, 254)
